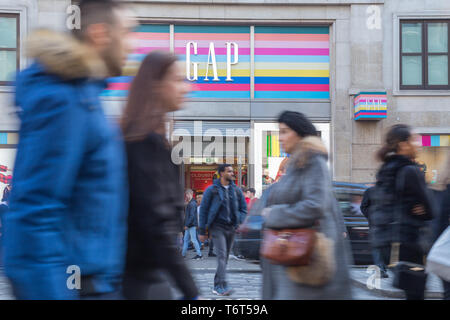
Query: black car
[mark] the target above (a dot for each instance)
(349, 197)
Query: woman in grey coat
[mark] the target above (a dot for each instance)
(303, 198)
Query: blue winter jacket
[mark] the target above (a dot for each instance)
(69, 198)
(213, 202)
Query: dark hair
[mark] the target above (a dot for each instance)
(396, 134)
(96, 11)
(298, 122)
(252, 190)
(222, 168)
(145, 111)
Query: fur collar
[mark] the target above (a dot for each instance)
(307, 148)
(63, 55)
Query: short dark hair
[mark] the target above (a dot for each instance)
(96, 11)
(222, 167)
(252, 190)
(396, 134)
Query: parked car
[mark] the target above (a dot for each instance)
(349, 197)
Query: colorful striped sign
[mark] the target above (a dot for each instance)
(147, 38)
(273, 147)
(219, 35)
(435, 140)
(292, 63)
(370, 106)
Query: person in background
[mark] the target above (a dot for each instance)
(247, 198)
(156, 194)
(380, 255)
(304, 198)
(402, 202)
(190, 225)
(251, 195)
(223, 209)
(198, 199)
(441, 197)
(69, 201)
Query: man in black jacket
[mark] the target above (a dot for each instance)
(223, 209)
(190, 225)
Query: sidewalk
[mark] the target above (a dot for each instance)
(209, 264)
(360, 278)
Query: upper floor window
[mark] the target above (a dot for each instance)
(9, 47)
(424, 54)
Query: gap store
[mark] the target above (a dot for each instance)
(243, 77)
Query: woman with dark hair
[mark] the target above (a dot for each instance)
(401, 203)
(303, 198)
(156, 195)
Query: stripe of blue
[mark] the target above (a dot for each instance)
(370, 117)
(435, 141)
(295, 30)
(220, 94)
(153, 28)
(291, 58)
(123, 79)
(292, 80)
(219, 58)
(292, 95)
(237, 80)
(114, 93)
(211, 29)
(3, 138)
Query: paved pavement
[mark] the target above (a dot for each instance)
(245, 278)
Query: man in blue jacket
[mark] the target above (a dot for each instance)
(223, 209)
(65, 232)
(190, 225)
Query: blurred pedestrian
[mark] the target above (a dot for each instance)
(156, 194)
(198, 199)
(191, 225)
(303, 198)
(441, 197)
(380, 255)
(402, 203)
(223, 209)
(68, 207)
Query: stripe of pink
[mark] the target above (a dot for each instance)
(364, 100)
(118, 86)
(292, 87)
(220, 87)
(292, 44)
(371, 113)
(291, 37)
(364, 96)
(145, 50)
(212, 36)
(205, 51)
(205, 43)
(153, 43)
(151, 36)
(426, 141)
(291, 52)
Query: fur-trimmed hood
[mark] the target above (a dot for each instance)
(306, 149)
(63, 55)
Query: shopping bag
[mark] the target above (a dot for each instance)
(438, 260)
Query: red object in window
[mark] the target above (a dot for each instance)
(5, 179)
(200, 180)
(3, 168)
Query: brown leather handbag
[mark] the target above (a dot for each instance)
(288, 247)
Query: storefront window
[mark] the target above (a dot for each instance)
(432, 155)
(8, 144)
(9, 47)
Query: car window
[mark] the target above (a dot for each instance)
(349, 204)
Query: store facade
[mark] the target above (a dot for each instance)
(354, 67)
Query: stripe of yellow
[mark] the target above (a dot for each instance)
(223, 73)
(292, 66)
(445, 141)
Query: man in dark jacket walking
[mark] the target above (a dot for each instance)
(190, 225)
(223, 209)
(65, 232)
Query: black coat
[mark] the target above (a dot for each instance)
(441, 220)
(191, 214)
(367, 200)
(156, 207)
(391, 216)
